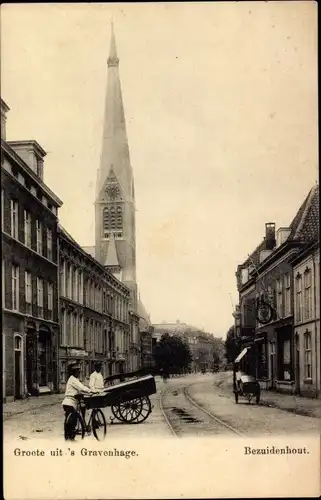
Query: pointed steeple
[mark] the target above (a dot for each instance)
(115, 150)
(115, 203)
(112, 59)
(112, 258)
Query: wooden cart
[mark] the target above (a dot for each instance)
(128, 399)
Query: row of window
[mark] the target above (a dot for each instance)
(38, 244)
(116, 234)
(281, 297)
(72, 329)
(91, 294)
(27, 298)
(89, 334)
(303, 296)
(71, 282)
(284, 366)
(112, 218)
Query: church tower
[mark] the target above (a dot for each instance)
(115, 235)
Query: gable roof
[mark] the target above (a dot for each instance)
(305, 225)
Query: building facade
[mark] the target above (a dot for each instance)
(146, 333)
(94, 313)
(267, 277)
(201, 344)
(307, 348)
(30, 324)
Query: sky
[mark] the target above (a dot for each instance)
(221, 110)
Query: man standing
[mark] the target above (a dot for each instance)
(96, 381)
(73, 389)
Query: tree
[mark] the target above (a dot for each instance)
(231, 345)
(172, 354)
(218, 354)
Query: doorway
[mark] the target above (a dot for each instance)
(18, 367)
(272, 364)
(29, 357)
(43, 358)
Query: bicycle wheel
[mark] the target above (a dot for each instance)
(74, 427)
(99, 425)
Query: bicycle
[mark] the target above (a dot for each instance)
(96, 423)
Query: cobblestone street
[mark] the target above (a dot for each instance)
(173, 413)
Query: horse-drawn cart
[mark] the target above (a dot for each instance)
(129, 399)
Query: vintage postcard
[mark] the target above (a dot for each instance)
(160, 250)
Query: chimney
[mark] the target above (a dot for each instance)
(4, 109)
(269, 235)
(31, 153)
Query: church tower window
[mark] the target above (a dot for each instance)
(113, 220)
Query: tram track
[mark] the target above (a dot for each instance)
(184, 416)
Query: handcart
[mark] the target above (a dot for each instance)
(129, 400)
(244, 385)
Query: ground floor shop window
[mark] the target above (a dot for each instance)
(285, 369)
(307, 356)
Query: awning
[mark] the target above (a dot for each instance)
(241, 355)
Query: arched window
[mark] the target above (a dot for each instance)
(17, 343)
(112, 219)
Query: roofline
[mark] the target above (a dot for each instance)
(64, 234)
(30, 142)
(308, 201)
(15, 157)
(246, 261)
(4, 105)
(304, 252)
(287, 245)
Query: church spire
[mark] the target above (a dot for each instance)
(115, 202)
(112, 59)
(115, 151)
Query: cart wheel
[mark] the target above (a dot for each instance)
(236, 397)
(133, 407)
(145, 411)
(115, 412)
(129, 407)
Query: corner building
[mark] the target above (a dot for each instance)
(30, 325)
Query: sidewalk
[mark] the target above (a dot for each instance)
(287, 402)
(30, 404)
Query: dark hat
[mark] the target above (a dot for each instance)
(73, 367)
